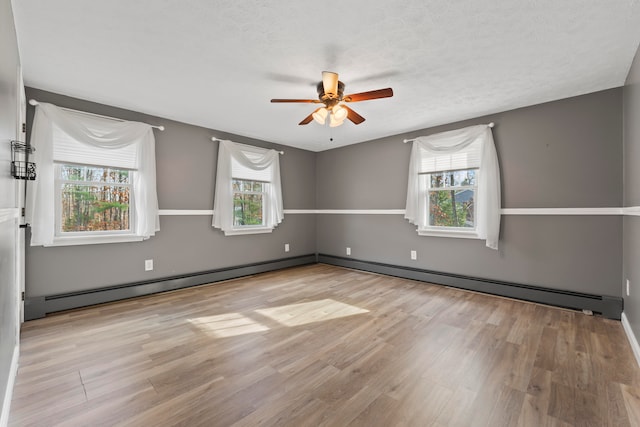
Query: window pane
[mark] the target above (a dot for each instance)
(452, 208)
(94, 208)
(452, 179)
(72, 173)
(247, 209)
(257, 186)
(464, 177)
(237, 185)
(437, 180)
(94, 174)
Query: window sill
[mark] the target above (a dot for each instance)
(459, 234)
(248, 230)
(94, 240)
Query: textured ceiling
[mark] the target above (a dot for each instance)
(218, 63)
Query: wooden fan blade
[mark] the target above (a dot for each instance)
(373, 94)
(307, 119)
(308, 101)
(353, 116)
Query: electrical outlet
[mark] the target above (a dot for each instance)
(414, 255)
(627, 287)
(148, 264)
(348, 251)
(286, 247)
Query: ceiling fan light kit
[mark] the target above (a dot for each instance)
(331, 94)
(339, 112)
(320, 115)
(334, 122)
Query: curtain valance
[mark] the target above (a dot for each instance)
(265, 165)
(81, 138)
(469, 147)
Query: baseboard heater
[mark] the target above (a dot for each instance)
(607, 306)
(38, 307)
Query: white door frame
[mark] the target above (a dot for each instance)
(21, 136)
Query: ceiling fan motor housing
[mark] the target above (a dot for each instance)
(330, 99)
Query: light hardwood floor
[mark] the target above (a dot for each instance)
(321, 345)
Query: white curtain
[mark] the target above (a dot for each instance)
(488, 197)
(255, 159)
(93, 133)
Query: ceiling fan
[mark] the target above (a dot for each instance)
(331, 94)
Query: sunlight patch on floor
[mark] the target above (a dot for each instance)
(228, 325)
(234, 324)
(309, 312)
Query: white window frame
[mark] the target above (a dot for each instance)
(70, 136)
(466, 148)
(245, 162)
(425, 229)
(265, 199)
(68, 238)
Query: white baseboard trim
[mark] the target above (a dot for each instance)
(631, 337)
(8, 393)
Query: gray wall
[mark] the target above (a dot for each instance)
(631, 234)
(563, 154)
(9, 63)
(566, 153)
(186, 159)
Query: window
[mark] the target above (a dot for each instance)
(248, 202)
(248, 197)
(93, 200)
(454, 187)
(450, 199)
(96, 180)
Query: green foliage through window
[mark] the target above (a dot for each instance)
(94, 198)
(451, 198)
(248, 202)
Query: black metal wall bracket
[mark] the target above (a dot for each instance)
(21, 167)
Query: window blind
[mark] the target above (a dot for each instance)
(467, 158)
(239, 171)
(69, 150)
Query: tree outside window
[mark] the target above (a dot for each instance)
(451, 197)
(248, 202)
(94, 198)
